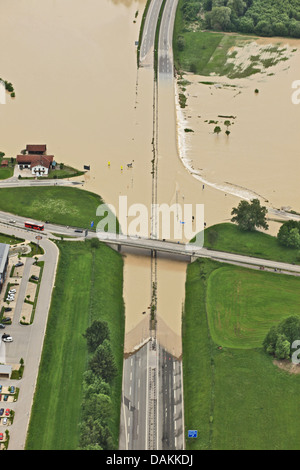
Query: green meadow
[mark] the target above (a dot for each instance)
(88, 287)
(62, 205)
(233, 393)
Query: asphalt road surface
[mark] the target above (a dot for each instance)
(148, 38)
(165, 48)
(152, 402)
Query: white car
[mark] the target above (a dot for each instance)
(12, 221)
(12, 291)
(8, 339)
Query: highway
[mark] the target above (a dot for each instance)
(165, 43)
(152, 405)
(146, 58)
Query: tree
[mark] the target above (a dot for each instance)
(289, 234)
(269, 343)
(217, 130)
(246, 25)
(96, 334)
(283, 347)
(279, 339)
(250, 215)
(103, 362)
(220, 18)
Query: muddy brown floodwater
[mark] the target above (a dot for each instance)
(73, 66)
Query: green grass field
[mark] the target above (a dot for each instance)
(89, 286)
(235, 396)
(228, 237)
(58, 204)
(243, 305)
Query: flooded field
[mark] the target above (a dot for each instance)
(258, 157)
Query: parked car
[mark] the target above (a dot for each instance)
(12, 389)
(7, 412)
(4, 421)
(19, 264)
(78, 231)
(0, 388)
(2, 326)
(6, 320)
(1, 411)
(5, 397)
(7, 309)
(12, 291)
(1, 436)
(12, 221)
(8, 339)
(35, 278)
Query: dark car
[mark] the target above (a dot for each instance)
(2, 326)
(7, 309)
(35, 278)
(5, 397)
(1, 411)
(6, 320)
(19, 264)
(78, 231)
(5, 335)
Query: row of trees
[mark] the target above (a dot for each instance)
(95, 433)
(264, 18)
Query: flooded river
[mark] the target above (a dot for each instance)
(73, 67)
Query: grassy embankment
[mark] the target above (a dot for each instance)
(89, 287)
(58, 204)
(228, 237)
(235, 396)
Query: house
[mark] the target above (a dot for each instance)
(4, 163)
(38, 164)
(4, 250)
(36, 149)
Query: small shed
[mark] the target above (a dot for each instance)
(4, 163)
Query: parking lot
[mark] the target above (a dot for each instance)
(8, 395)
(17, 303)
